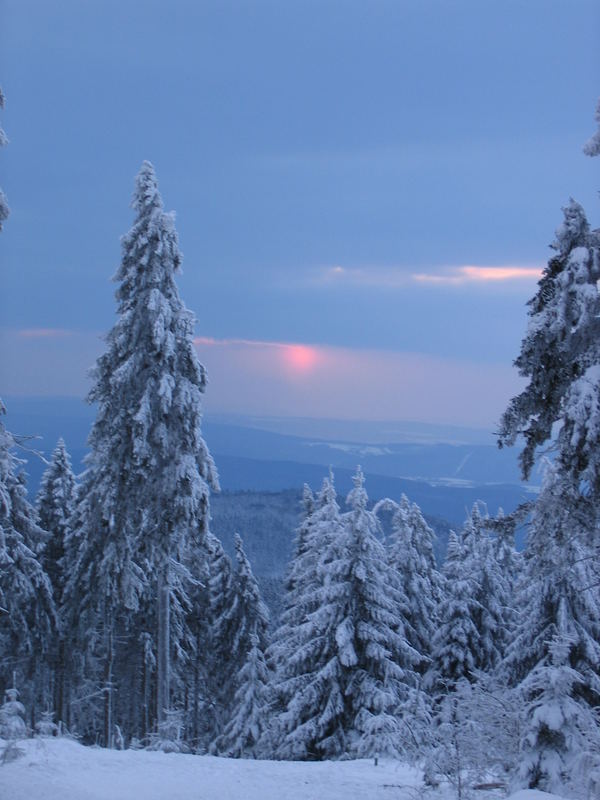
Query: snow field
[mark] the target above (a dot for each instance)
(61, 769)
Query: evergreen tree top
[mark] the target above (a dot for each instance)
(147, 486)
(572, 232)
(454, 557)
(560, 345)
(357, 498)
(146, 195)
(592, 146)
(327, 496)
(308, 500)
(60, 462)
(248, 587)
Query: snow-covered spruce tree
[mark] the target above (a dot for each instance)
(55, 504)
(243, 618)
(560, 355)
(220, 599)
(88, 615)
(307, 701)
(457, 643)
(477, 609)
(556, 645)
(494, 612)
(4, 210)
(410, 554)
(475, 721)
(509, 564)
(559, 731)
(149, 471)
(592, 146)
(248, 719)
(200, 728)
(248, 616)
(350, 672)
(298, 598)
(297, 571)
(301, 579)
(27, 611)
(301, 570)
(380, 682)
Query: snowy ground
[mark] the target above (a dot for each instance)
(59, 769)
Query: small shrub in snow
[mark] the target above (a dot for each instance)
(168, 738)
(12, 726)
(46, 726)
(12, 712)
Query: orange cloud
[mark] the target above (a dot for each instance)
(468, 274)
(394, 278)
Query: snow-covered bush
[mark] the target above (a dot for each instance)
(169, 736)
(46, 727)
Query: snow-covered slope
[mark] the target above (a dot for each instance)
(60, 769)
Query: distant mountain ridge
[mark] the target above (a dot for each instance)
(444, 479)
(262, 473)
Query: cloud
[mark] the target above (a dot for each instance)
(287, 379)
(264, 379)
(471, 274)
(44, 333)
(398, 277)
(289, 358)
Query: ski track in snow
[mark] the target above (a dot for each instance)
(61, 769)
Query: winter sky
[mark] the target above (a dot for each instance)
(365, 191)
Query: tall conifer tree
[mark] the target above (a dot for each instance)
(456, 645)
(410, 554)
(308, 686)
(244, 624)
(555, 657)
(27, 612)
(55, 504)
(149, 471)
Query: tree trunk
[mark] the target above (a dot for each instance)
(59, 683)
(195, 728)
(108, 687)
(163, 672)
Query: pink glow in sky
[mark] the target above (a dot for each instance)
(271, 378)
(43, 333)
(300, 358)
(281, 379)
(293, 360)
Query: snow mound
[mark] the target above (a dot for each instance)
(61, 769)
